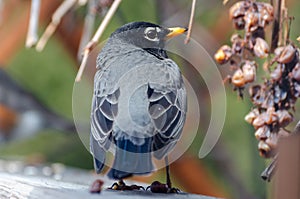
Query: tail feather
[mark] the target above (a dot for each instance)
(98, 154)
(131, 159)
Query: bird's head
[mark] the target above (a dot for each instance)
(146, 35)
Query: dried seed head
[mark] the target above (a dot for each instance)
(238, 79)
(237, 43)
(285, 54)
(272, 141)
(223, 54)
(266, 12)
(252, 115)
(261, 48)
(249, 71)
(237, 13)
(259, 121)
(262, 133)
(256, 94)
(264, 150)
(277, 73)
(251, 21)
(238, 9)
(296, 72)
(270, 116)
(285, 118)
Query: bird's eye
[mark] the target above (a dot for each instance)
(151, 34)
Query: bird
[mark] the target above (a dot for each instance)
(23, 115)
(139, 102)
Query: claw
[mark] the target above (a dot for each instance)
(158, 187)
(121, 186)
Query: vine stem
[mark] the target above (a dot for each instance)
(188, 36)
(91, 45)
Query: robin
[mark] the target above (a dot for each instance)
(139, 103)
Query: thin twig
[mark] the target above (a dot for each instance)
(225, 2)
(268, 173)
(276, 26)
(188, 36)
(88, 27)
(82, 2)
(32, 34)
(1, 11)
(96, 37)
(56, 18)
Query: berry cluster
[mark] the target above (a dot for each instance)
(280, 89)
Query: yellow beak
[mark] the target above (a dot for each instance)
(175, 32)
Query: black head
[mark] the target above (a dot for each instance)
(146, 35)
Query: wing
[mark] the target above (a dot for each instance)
(104, 110)
(168, 113)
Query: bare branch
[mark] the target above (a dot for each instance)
(82, 2)
(1, 11)
(88, 27)
(188, 36)
(225, 2)
(32, 34)
(56, 18)
(276, 26)
(96, 37)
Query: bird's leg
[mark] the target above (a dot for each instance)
(121, 186)
(158, 187)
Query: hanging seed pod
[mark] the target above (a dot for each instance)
(296, 87)
(237, 13)
(285, 54)
(237, 43)
(272, 142)
(277, 73)
(261, 48)
(270, 116)
(266, 12)
(285, 118)
(223, 55)
(256, 95)
(296, 72)
(259, 121)
(268, 101)
(238, 79)
(262, 133)
(249, 71)
(264, 150)
(252, 115)
(251, 21)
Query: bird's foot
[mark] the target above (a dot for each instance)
(158, 187)
(121, 186)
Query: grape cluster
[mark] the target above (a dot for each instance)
(280, 89)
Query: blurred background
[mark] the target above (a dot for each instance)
(36, 123)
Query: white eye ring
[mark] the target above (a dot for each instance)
(151, 33)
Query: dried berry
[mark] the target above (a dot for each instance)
(249, 71)
(285, 54)
(252, 115)
(285, 118)
(238, 79)
(261, 48)
(223, 54)
(296, 72)
(277, 73)
(264, 149)
(262, 133)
